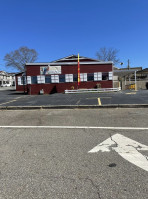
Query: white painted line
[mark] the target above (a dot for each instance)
(8, 102)
(78, 127)
(78, 101)
(15, 99)
(125, 147)
(130, 93)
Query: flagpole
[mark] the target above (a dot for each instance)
(78, 71)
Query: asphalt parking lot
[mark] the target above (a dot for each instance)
(77, 153)
(46, 154)
(9, 97)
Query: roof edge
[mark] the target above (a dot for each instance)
(68, 63)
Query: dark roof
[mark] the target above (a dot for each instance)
(122, 73)
(145, 70)
(74, 58)
(19, 73)
(132, 68)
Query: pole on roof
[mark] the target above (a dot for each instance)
(135, 81)
(128, 66)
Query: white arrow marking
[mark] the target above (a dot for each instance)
(125, 147)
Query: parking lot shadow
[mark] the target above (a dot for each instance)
(14, 92)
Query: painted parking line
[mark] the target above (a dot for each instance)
(8, 102)
(91, 98)
(99, 101)
(106, 97)
(12, 100)
(78, 127)
(130, 93)
(78, 101)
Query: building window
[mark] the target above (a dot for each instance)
(98, 76)
(34, 80)
(41, 79)
(28, 79)
(90, 77)
(54, 78)
(47, 79)
(75, 77)
(69, 78)
(21, 80)
(105, 76)
(61, 78)
(83, 77)
(110, 75)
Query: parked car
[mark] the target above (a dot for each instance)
(6, 85)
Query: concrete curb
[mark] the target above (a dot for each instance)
(74, 107)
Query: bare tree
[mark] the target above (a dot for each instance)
(20, 57)
(108, 54)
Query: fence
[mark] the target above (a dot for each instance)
(140, 84)
(99, 90)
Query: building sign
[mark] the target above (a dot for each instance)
(50, 70)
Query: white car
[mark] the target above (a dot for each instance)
(6, 85)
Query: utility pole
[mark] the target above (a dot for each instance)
(128, 66)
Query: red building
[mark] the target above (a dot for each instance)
(62, 74)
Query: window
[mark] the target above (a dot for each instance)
(54, 78)
(110, 75)
(34, 80)
(105, 76)
(90, 77)
(61, 78)
(83, 77)
(47, 79)
(69, 78)
(28, 79)
(41, 79)
(75, 77)
(98, 76)
(21, 80)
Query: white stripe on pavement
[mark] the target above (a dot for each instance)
(79, 127)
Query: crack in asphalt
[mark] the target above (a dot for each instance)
(116, 144)
(93, 184)
(74, 180)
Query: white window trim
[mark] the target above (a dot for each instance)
(83, 77)
(28, 79)
(110, 75)
(68, 77)
(19, 80)
(41, 79)
(98, 76)
(54, 78)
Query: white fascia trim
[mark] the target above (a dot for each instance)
(116, 71)
(67, 63)
(33, 64)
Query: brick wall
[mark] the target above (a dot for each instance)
(34, 70)
(34, 89)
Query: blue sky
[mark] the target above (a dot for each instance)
(58, 28)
